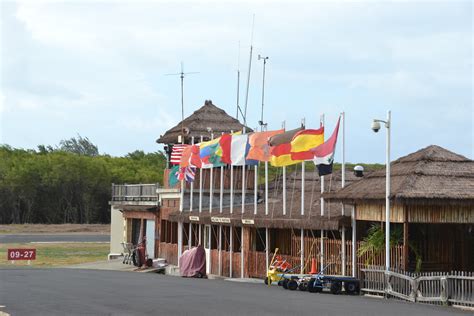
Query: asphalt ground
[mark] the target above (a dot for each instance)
(92, 292)
(28, 238)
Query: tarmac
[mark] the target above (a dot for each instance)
(117, 265)
(112, 265)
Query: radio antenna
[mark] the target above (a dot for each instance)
(182, 74)
(248, 74)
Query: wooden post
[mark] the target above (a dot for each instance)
(267, 247)
(242, 253)
(180, 241)
(231, 247)
(354, 241)
(220, 250)
(343, 248)
(405, 246)
(302, 250)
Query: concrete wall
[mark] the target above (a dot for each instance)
(117, 229)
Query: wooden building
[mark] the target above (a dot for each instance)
(241, 219)
(432, 202)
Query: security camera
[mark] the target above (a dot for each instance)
(359, 171)
(375, 126)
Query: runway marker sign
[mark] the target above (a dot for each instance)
(21, 254)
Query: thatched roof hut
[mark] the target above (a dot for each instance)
(199, 124)
(431, 175)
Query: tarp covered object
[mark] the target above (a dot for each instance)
(193, 262)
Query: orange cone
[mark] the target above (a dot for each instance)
(314, 269)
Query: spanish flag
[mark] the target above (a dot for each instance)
(304, 141)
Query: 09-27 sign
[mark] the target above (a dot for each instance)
(21, 254)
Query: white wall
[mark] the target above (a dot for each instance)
(116, 230)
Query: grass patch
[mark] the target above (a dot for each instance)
(54, 228)
(57, 254)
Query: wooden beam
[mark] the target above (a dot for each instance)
(405, 241)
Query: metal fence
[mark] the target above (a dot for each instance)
(134, 192)
(453, 288)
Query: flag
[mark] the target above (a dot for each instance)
(176, 154)
(259, 148)
(238, 149)
(324, 154)
(304, 141)
(187, 173)
(172, 177)
(210, 153)
(225, 143)
(190, 157)
(280, 149)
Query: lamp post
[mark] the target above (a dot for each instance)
(376, 128)
(261, 122)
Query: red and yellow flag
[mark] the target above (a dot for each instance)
(304, 141)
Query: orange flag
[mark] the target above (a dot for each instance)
(259, 146)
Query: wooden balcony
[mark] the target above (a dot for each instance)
(134, 192)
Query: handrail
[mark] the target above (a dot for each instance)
(134, 191)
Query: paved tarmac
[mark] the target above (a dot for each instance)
(92, 292)
(28, 238)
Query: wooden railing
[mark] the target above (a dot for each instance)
(455, 288)
(134, 192)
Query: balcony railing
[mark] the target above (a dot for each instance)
(134, 192)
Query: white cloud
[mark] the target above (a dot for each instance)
(104, 61)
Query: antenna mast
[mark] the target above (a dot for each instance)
(238, 84)
(181, 75)
(248, 74)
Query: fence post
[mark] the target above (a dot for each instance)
(414, 288)
(444, 290)
(387, 283)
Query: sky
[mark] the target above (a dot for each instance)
(98, 69)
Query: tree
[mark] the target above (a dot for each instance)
(81, 146)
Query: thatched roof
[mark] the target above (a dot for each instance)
(333, 218)
(430, 175)
(198, 123)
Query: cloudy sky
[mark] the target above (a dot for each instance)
(98, 69)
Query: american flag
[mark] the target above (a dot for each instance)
(186, 173)
(176, 154)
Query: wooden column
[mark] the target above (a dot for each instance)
(245, 249)
(405, 240)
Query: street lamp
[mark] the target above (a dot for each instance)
(376, 127)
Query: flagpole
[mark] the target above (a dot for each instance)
(243, 209)
(284, 180)
(343, 183)
(191, 191)
(200, 200)
(255, 190)
(321, 260)
(231, 209)
(211, 186)
(302, 211)
(243, 188)
(255, 185)
(181, 207)
(221, 197)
